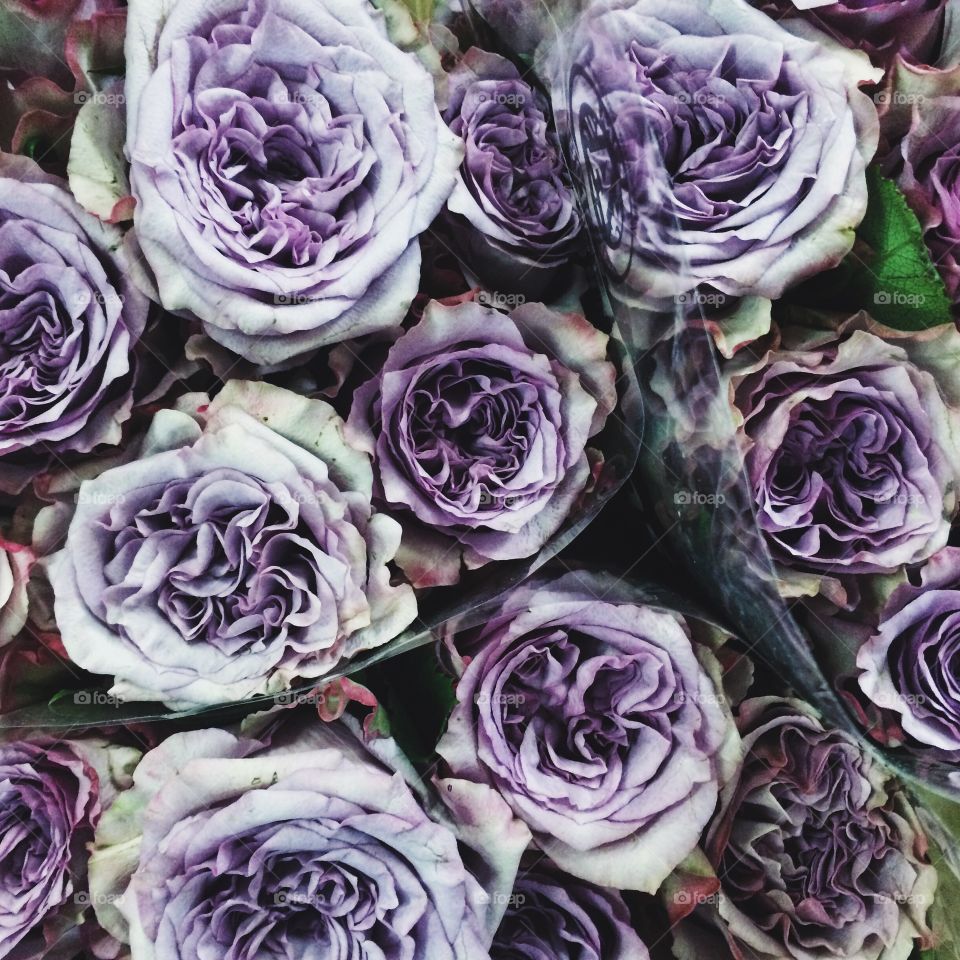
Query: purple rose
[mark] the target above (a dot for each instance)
(284, 158)
(52, 793)
(719, 148)
(818, 852)
(312, 847)
(513, 212)
(232, 558)
(478, 424)
(70, 318)
(911, 665)
(850, 436)
(553, 915)
(599, 722)
(881, 28)
(930, 178)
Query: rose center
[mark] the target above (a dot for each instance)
(309, 906)
(473, 427)
(237, 577)
(585, 703)
(839, 458)
(720, 138)
(511, 153)
(283, 169)
(26, 849)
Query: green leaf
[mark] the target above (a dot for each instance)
(897, 282)
(943, 918)
(420, 10)
(942, 824)
(417, 696)
(406, 19)
(379, 723)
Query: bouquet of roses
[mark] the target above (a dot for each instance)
(478, 479)
(783, 267)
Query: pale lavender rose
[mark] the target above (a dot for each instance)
(553, 915)
(314, 846)
(911, 665)
(233, 557)
(52, 794)
(850, 435)
(930, 179)
(601, 724)
(284, 158)
(513, 213)
(818, 851)
(70, 317)
(718, 148)
(881, 28)
(478, 423)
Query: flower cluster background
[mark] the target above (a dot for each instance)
(479, 479)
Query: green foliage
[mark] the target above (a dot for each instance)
(897, 281)
(943, 831)
(420, 10)
(379, 723)
(416, 696)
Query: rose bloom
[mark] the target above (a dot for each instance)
(553, 915)
(284, 158)
(478, 424)
(232, 558)
(930, 178)
(818, 852)
(70, 318)
(718, 148)
(911, 665)
(313, 846)
(513, 212)
(53, 794)
(850, 435)
(599, 722)
(881, 28)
